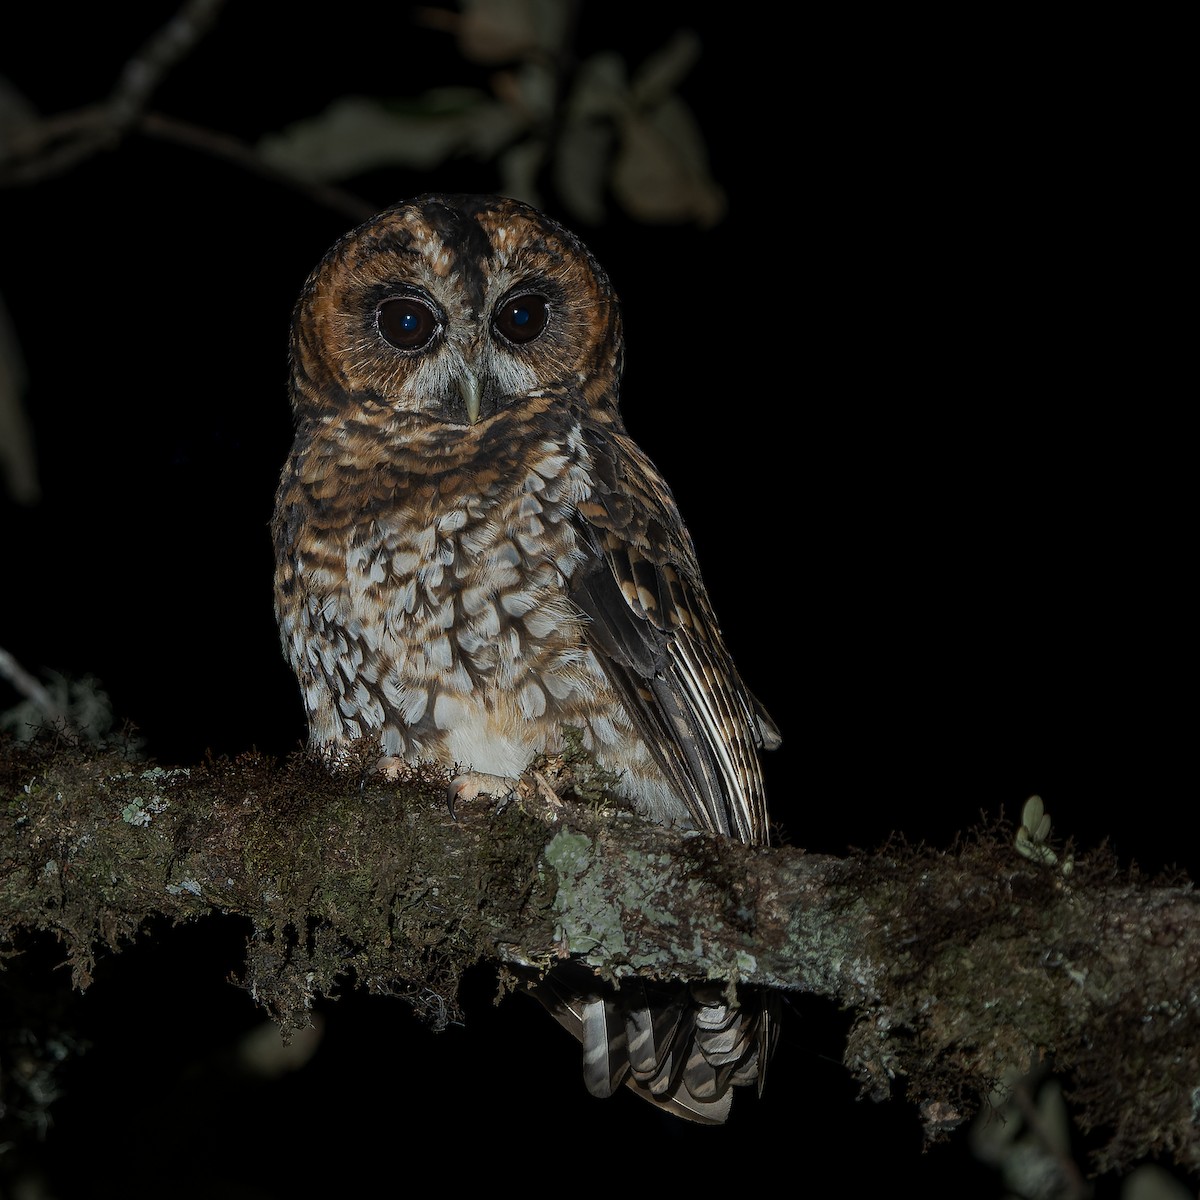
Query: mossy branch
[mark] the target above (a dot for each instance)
(960, 964)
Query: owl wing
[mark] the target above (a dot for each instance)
(653, 629)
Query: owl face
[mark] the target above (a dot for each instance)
(448, 310)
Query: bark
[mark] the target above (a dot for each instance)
(962, 965)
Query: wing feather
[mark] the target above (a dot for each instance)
(654, 631)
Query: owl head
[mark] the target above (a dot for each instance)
(449, 309)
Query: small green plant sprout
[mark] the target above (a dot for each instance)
(1032, 835)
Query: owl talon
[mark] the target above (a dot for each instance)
(473, 784)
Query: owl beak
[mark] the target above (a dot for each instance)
(470, 390)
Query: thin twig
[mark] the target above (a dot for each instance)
(149, 66)
(221, 145)
(55, 144)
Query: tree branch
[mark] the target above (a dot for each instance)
(958, 963)
(49, 146)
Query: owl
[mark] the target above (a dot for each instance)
(473, 556)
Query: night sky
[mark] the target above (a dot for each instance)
(897, 391)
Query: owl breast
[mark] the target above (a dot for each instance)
(437, 617)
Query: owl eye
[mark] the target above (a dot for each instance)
(406, 322)
(522, 318)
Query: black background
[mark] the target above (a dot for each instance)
(907, 392)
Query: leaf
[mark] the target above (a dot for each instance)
(356, 134)
(658, 77)
(661, 170)
(580, 168)
(1152, 1182)
(519, 166)
(532, 90)
(499, 31)
(600, 89)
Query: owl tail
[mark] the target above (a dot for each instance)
(681, 1046)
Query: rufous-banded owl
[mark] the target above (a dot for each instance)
(472, 555)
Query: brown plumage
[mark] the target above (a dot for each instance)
(472, 554)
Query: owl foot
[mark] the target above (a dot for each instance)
(470, 786)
